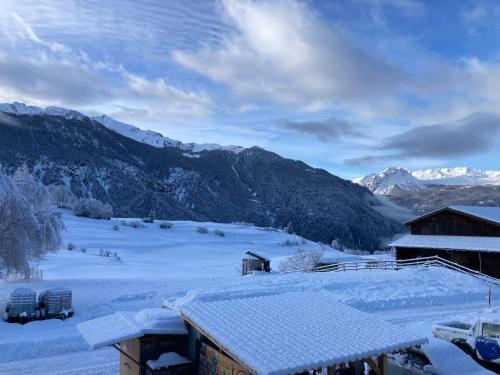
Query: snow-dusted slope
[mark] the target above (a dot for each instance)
(158, 140)
(149, 251)
(458, 176)
(389, 179)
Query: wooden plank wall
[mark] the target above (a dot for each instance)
(453, 224)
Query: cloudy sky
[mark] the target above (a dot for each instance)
(351, 86)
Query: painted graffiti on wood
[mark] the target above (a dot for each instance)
(212, 362)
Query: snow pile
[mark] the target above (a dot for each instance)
(287, 333)
(166, 360)
(160, 320)
(124, 325)
(446, 358)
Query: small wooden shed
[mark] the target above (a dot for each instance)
(255, 262)
(140, 338)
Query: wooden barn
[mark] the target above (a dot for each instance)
(467, 235)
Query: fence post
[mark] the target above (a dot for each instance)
(489, 297)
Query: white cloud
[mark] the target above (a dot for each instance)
(45, 72)
(282, 51)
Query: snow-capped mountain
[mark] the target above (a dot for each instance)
(145, 136)
(389, 179)
(422, 191)
(458, 176)
(158, 140)
(117, 165)
(23, 109)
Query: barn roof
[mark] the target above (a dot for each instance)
(292, 332)
(255, 255)
(470, 243)
(126, 325)
(490, 214)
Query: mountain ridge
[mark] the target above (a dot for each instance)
(391, 178)
(253, 185)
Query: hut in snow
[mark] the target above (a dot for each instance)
(255, 262)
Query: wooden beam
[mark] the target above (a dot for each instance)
(373, 366)
(330, 370)
(382, 364)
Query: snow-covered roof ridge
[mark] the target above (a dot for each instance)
(287, 333)
(471, 243)
(157, 139)
(483, 212)
(491, 214)
(126, 325)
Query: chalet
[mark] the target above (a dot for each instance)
(257, 336)
(467, 235)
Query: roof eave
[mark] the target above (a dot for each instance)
(448, 208)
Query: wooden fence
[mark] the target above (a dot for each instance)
(433, 261)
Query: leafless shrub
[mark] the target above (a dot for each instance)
(136, 224)
(71, 246)
(296, 241)
(202, 229)
(219, 232)
(93, 208)
(302, 261)
(166, 225)
(116, 227)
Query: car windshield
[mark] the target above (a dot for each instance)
(491, 330)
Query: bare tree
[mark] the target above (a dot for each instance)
(28, 225)
(61, 196)
(89, 207)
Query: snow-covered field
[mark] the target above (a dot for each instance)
(158, 266)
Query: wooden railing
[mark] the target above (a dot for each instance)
(433, 261)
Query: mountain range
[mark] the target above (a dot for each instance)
(400, 178)
(423, 190)
(138, 171)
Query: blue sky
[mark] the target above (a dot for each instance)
(351, 86)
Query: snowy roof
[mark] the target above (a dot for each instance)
(473, 243)
(288, 333)
(487, 213)
(491, 214)
(125, 325)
